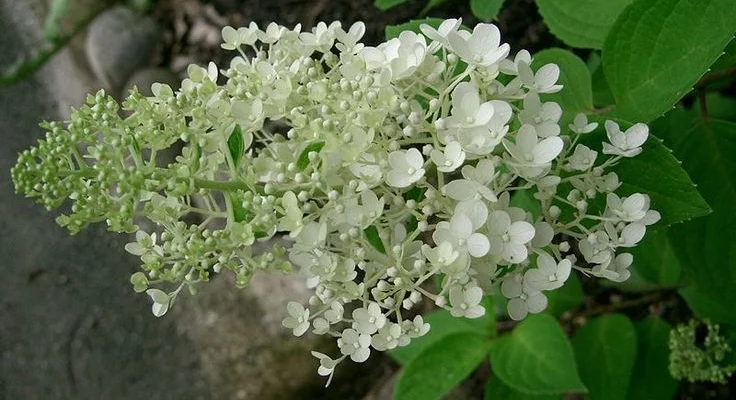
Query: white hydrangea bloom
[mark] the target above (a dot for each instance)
(458, 232)
(543, 81)
(406, 167)
(387, 337)
(523, 299)
(625, 144)
(531, 156)
(354, 344)
(581, 126)
(482, 47)
(368, 320)
(508, 239)
(583, 158)
(465, 302)
(544, 117)
(298, 318)
(331, 134)
(450, 158)
(549, 274)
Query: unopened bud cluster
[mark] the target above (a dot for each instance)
(430, 154)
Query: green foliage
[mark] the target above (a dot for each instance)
(384, 5)
(650, 378)
(581, 23)
(567, 298)
(236, 145)
(655, 259)
(372, 236)
(443, 325)
(497, 390)
(438, 369)
(536, 358)
(658, 173)
(605, 351)
(303, 161)
(650, 62)
(707, 154)
(486, 9)
(577, 94)
(699, 362)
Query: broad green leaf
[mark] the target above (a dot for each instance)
(486, 9)
(236, 145)
(497, 390)
(655, 259)
(393, 31)
(651, 379)
(384, 5)
(719, 107)
(536, 358)
(658, 49)
(605, 350)
(658, 173)
(707, 244)
(303, 160)
(567, 298)
(372, 236)
(441, 366)
(727, 59)
(577, 94)
(442, 325)
(581, 23)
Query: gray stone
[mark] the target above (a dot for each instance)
(120, 42)
(144, 78)
(70, 325)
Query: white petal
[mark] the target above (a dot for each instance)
(633, 233)
(459, 189)
(521, 232)
(547, 76)
(547, 150)
(476, 210)
(478, 245)
(637, 135)
(536, 302)
(517, 309)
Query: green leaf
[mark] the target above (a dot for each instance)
(303, 160)
(497, 390)
(393, 31)
(567, 298)
(441, 366)
(442, 325)
(657, 173)
(655, 259)
(486, 9)
(707, 244)
(577, 94)
(605, 350)
(727, 59)
(236, 144)
(658, 49)
(240, 214)
(536, 358)
(651, 379)
(384, 5)
(372, 236)
(525, 200)
(581, 23)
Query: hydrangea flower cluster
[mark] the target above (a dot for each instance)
(384, 166)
